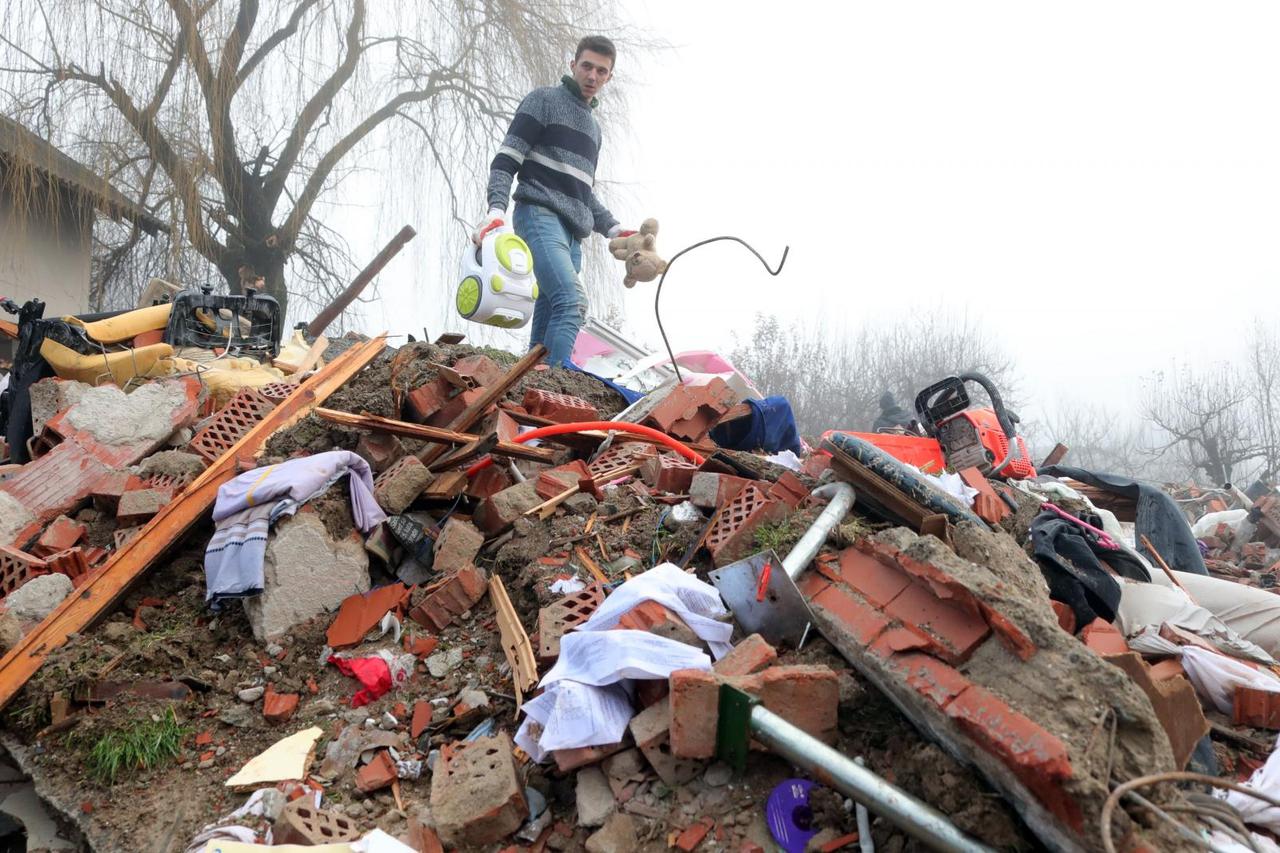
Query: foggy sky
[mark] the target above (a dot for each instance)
(1096, 182)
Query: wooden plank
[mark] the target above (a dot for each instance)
(469, 453)
(430, 433)
(515, 641)
(1055, 456)
(107, 586)
(472, 414)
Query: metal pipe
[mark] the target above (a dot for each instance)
(916, 818)
(841, 497)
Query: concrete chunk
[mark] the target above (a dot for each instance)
(457, 546)
(306, 573)
(476, 793)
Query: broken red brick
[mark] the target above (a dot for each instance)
(204, 738)
(733, 536)
(380, 449)
(422, 713)
(487, 483)
(420, 647)
(690, 411)
(453, 407)
(789, 489)
(561, 408)
(1036, 757)
(425, 400)
(1066, 616)
(561, 616)
(988, 506)
(301, 823)
(711, 489)
(668, 472)
(360, 613)
(807, 696)
(453, 597)
(379, 773)
(1104, 638)
(555, 481)
(654, 618)
(456, 547)
(692, 836)
(139, 506)
(279, 707)
(63, 533)
(477, 797)
(751, 655)
(1257, 708)
(397, 487)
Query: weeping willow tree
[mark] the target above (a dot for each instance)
(234, 120)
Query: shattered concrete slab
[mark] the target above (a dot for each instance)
(975, 658)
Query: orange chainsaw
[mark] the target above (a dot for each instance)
(958, 435)
(982, 438)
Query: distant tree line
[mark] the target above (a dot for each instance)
(1210, 424)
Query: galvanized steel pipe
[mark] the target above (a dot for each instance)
(841, 497)
(829, 767)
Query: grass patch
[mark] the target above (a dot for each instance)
(137, 745)
(779, 536)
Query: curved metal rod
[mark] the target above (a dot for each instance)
(658, 316)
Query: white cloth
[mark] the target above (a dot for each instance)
(1265, 779)
(1215, 677)
(586, 696)
(1208, 524)
(248, 505)
(696, 602)
(1147, 605)
(300, 480)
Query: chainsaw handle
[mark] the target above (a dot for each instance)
(1005, 419)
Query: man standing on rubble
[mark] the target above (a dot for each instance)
(553, 144)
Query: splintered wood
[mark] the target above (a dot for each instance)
(515, 642)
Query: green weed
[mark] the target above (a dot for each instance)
(138, 745)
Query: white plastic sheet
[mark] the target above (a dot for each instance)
(1265, 779)
(1209, 523)
(694, 601)
(952, 484)
(1215, 678)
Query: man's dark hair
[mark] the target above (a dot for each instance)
(600, 45)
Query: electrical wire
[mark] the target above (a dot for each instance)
(1109, 806)
(658, 293)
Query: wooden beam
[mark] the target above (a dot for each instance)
(108, 585)
(1055, 456)
(430, 433)
(472, 414)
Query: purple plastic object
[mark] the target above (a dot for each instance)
(788, 814)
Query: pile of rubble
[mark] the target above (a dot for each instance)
(445, 598)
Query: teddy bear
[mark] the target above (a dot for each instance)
(639, 253)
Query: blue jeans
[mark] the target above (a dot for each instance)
(561, 308)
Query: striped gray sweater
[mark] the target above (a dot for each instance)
(552, 144)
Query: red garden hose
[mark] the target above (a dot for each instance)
(583, 426)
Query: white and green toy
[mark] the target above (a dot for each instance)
(498, 288)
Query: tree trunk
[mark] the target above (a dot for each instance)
(266, 275)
